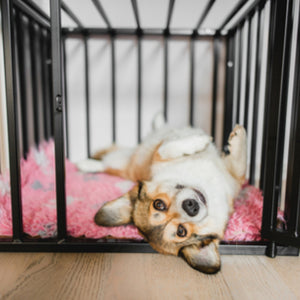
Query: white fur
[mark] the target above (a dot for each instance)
(90, 165)
(200, 167)
(191, 160)
(184, 146)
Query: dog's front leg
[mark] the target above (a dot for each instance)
(171, 149)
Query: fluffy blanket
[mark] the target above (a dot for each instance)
(86, 193)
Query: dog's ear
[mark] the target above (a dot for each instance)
(117, 212)
(205, 259)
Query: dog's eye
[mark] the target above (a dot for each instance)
(158, 204)
(181, 231)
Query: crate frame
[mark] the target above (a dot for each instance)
(55, 97)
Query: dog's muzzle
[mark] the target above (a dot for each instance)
(191, 207)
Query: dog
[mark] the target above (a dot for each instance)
(184, 193)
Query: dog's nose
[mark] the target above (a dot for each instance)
(191, 207)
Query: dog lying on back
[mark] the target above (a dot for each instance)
(184, 193)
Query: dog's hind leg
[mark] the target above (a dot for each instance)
(236, 159)
(113, 160)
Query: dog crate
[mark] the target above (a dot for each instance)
(253, 80)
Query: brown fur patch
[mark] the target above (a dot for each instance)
(116, 172)
(99, 154)
(156, 156)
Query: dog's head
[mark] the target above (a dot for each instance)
(175, 219)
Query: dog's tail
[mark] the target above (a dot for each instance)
(159, 121)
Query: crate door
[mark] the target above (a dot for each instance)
(280, 168)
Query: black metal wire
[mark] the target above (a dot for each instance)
(31, 12)
(204, 14)
(248, 72)
(19, 33)
(259, 43)
(66, 97)
(102, 13)
(136, 13)
(215, 86)
(113, 88)
(192, 80)
(87, 95)
(44, 84)
(71, 14)
(58, 120)
(139, 90)
(12, 118)
(239, 76)
(170, 12)
(272, 114)
(229, 86)
(238, 6)
(34, 82)
(176, 33)
(166, 85)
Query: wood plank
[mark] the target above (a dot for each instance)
(288, 269)
(155, 276)
(143, 276)
(253, 277)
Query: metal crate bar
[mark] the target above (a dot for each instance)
(229, 67)
(238, 6)
(87, 95)
(37, 9)
(192, 81)
(136, 13)
(102, 13)
(258, 61)
(249, 12)
(70, 13)
(176, 33)
(66, 95)
(239, 71)
(45, 83)
(58, 106)
(166, 66)
(283, 100)
(32, 13)
(139, 89)
(22, 82)
(113, 88)
(128, 246)
(285, 238)
(170, 12)
(248, 72)
(292, 201)
(204, 14)
(34, 81)
(50, 80)
(12, 115)
(273, 103)
(215, 85)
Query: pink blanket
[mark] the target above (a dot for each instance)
(86, 193)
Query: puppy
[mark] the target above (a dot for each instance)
(185, 191)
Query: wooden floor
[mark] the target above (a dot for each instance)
(144, 276)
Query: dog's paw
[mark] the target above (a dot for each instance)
(184, 146)
(90, 166)
(237, 140)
